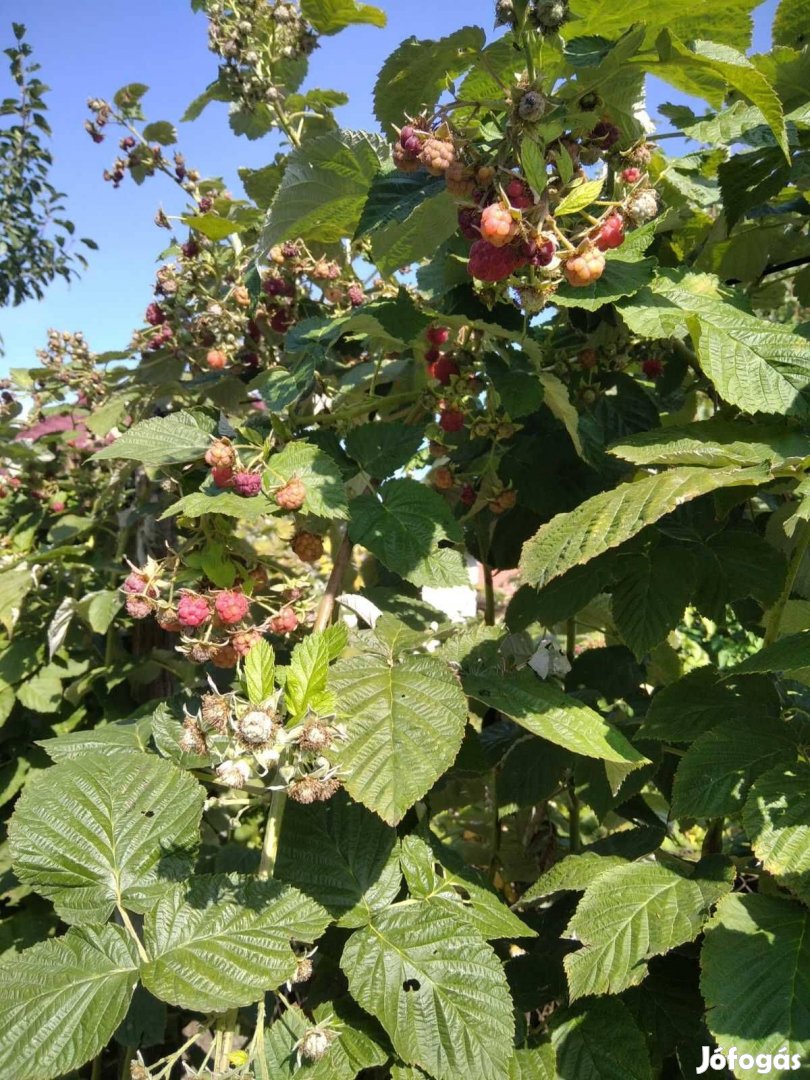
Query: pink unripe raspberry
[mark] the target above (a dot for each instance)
(138, 583)
(631, 175)
(216, 359)
(223, 476)
(292, 495)
(138, 608)
(231, 607)
(497, 225)
(285, 622)
(247, 484)
(193, 611)
(356, 296)
(220, 454)
(437, 335)
(244, 641)
(57, 506)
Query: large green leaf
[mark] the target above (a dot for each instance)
(650, 596)
(91, 832)
(399, 243)
(631, 914)
(701, 700)
(572, 873)
(791, 653)
(62, 1000)
(214, 500)
(438, 990)
(722, 65)
(260, 667)
(791, 22)
(757, 365)
(718, 20)
(14, 587)
(546, 711)
(402, 525)
(166, 440)
(458, 889)
(609, 519)
(305, 682)
(755, 976)
(414, 75)
(715, 443)
(599, 1040)
(219, 942)
(342, 856)
(777, 820)
(394, 196)
(404, 726)
(320, 474)
(717, 770)
(382, 448)
(325, 186)
(331, 16)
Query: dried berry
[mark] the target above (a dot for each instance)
(234, 774)
(315, 737)
(311, 790)
(256, 728)
(224, 657)
(307, 546)
(292, 495)
(138, 607)
(215, 711)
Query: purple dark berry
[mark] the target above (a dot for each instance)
(606, 134)
(190, 249)
(406, 133)
(469, 223)
(412, 145)
(247, 484)
(155, 315)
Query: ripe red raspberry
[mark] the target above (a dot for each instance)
(307, 546)
(193, 611)
(588, 359)
(437, 155)
(432, 355)
(451, 420)
(223, 476)
(631, 175)
(519, 194)
(437, 335)
(583, 270)
(652, 368)
(292, 495)
(247, 484)
(356, 296)
(611, 235)
(497, 225)
(443, 369)
(443, 479)
(469, 223)
(231, 607)
(216, 359)
(138, 608)
(467, 497)
(488, 263)
(285, 622)
(244, 641)
(155, 315)
(220, 455)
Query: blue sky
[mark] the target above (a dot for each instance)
(90, 49)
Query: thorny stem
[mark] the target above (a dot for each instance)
(775, 616)
(272, 834)
(327, 605)
(573, 820)
(489, 597)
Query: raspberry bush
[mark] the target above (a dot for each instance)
(406, 635)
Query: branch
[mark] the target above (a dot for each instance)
(327, 605)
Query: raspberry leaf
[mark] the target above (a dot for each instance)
(331, 16)
(166, 440)
(356, 1048)
(94, 832)
(260, 666)
(600, 1040)
(318, 472)
(777, 818)
(63, 999)
(220, 942)
(437, 988)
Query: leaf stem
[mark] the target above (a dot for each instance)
(130, 929)
(571, 640)
(272, 835)
(326, 607)
(489, 597)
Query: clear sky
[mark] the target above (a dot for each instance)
(89, 48)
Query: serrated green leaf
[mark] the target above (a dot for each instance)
(538, 1063)
(220, 942)
(382, 448)
(394, 196)
(714, 443)
(791, 653)
(160, 131)
(720, 20)
(305, 683)
(448, 884)
(609, 519)
(98, 609)
(14, 587)
(404, 725)
(90, 833)
(757, 365)
(400, 243)
(546, 711)
(166, 440)
(260, 667)
(214, 500)
(574, 872)
(631, 914)
(42, 693)
(438, 990)
(213, 226)
(342, 856)
(625, 275)
(325, 187)
(320, 474)
(124, 736)
(62, 1000)
(715, 774)
(414, 75)
(599, 1040)
(402, 525)
(580, 196)
(533, 161)
(777, 820)
(699, 701)
(262, 184)
(790, 23)
(650, 595)
(755, 967)
(354, 1046)
(331, 16)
